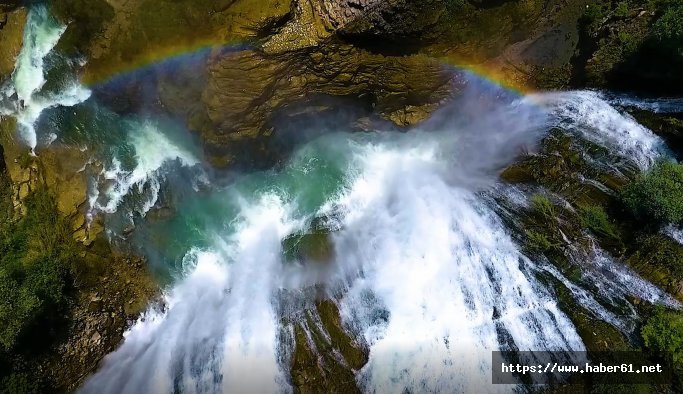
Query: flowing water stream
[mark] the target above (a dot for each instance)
(423, 268)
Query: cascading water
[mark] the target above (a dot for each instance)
(423, 268)
(449, 278)
(588, 114)
(23, 95)
(152, 151)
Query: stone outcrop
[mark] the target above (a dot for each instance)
(110, 289)
(104, 309)
(58, 168)
(245, 88)
(11, 38)
(119, 36)
(314, 21)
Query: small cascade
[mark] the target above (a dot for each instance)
(23, 95)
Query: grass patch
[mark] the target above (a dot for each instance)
(542, 206)
(595, 219)
(657, 195)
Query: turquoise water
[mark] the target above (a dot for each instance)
(422, 268)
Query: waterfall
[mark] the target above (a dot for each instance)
(423, 267)
(153, 151)
(415, 237)
(24, 92)
(590, 116)
(443, 271)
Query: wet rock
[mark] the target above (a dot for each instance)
(315, 246)
(121, 35)
(96, 338)
(569, 166)
(11, 37)
(315, 368)
(659, 259)
(668, 126)
(245, 88)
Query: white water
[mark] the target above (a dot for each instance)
(416, 240)
(41, 35)
(153, 151)
(606, 286)
(218, 333)
(589, 115)
(424, 269)
(441, 265)
(675, 232)
(671, 105)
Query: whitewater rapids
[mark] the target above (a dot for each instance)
(24, 96)
(424, 270)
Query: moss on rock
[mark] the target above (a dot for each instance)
(325, 357)
(659, 259)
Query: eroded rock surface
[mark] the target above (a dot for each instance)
(245, 88)
(12, 23)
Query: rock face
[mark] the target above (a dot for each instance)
(104, 309)
(325, 357)
(59, 169)
(11, 37)
(245, 88)
(379, 53)
(119, 36)
(109, 290)
(230, 100)
(316, 20)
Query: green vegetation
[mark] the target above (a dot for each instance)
(657, 195)
(622, 10)
(669, 27)
(593, 16)
(594, 218)
(660, 259)
(36, 256)
(663, 332)
(34, 261)
(542, 205)
(537, 242)
(541, 232)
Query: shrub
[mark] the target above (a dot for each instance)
(35, 255)
(596, 220)
(537, 242)
(663, 332)
(20, 383)
(669, 27)
(622, 9)
(657, 195)
(542, 205)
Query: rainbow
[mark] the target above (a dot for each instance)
(493, 74)
(177, 53)
(102, 74)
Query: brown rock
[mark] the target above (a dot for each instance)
(245, 89)
(11, 38)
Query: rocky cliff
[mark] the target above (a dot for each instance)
(370, 49)
(265, 65)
